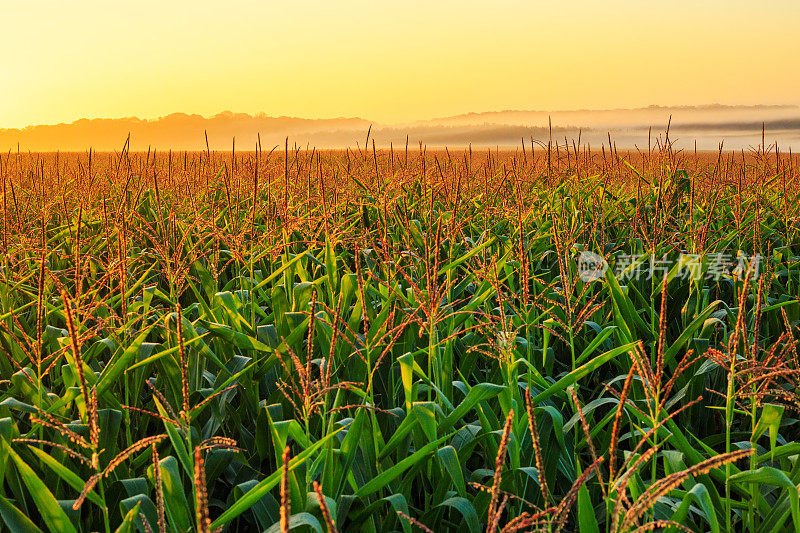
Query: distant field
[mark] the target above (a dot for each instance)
(540, 339)
(741, 127)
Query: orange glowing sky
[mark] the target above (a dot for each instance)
(389, 61)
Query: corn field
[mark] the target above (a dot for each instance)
(400, 340)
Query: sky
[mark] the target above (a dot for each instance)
(389, 61)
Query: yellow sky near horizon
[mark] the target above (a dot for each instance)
(390, 62)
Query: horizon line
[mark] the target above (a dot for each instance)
(467, 114)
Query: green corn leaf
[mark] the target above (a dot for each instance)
(51, 512)
(14, 519)
(254, 494)
(129, 520)
(385, 477)
(72, 479)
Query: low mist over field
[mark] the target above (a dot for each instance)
(739, 127)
